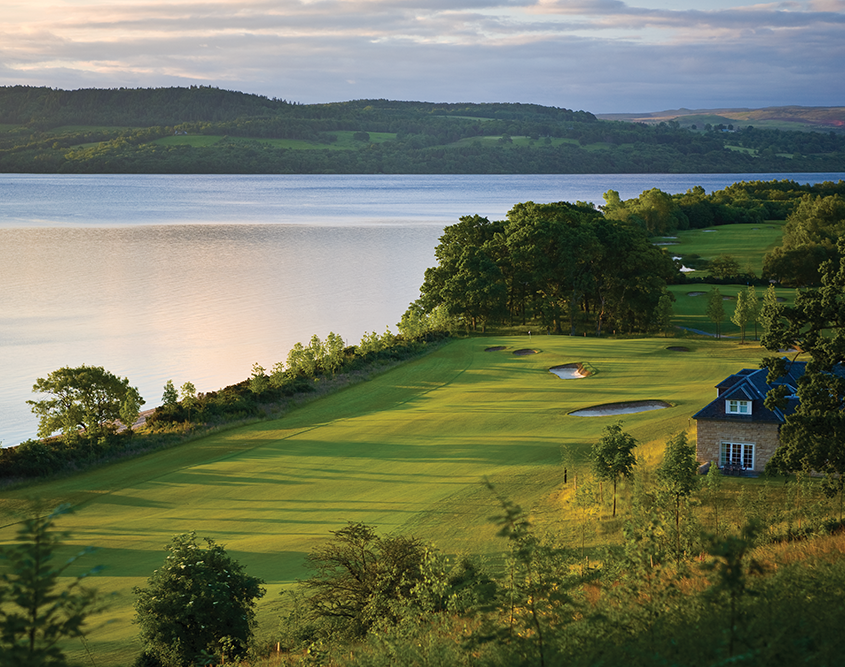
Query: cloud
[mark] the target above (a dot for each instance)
(600, 55)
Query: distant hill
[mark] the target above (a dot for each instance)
(817, 119)
(208, 130)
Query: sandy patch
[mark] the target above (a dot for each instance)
(708, 230)
(624, 408)
(574, 371)
(695, 293)
(496, 348)
(524, 352)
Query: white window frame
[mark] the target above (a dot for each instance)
(737, 452)
(738, 407)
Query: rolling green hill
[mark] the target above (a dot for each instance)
(208, 130)
(405, 451)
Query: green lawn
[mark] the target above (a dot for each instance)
(747, 243)
(691, 305)
(404, 451)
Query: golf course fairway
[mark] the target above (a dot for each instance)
(405, 451)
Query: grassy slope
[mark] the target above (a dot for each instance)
(747, 243)
(344, 141)
(404, 451)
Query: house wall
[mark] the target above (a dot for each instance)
(711, 433)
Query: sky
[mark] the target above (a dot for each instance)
(602, 56)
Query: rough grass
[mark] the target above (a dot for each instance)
(404, 451)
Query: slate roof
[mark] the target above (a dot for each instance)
(750, 384)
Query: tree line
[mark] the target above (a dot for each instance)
(86, 413)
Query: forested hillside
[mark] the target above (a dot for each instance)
(208, 130)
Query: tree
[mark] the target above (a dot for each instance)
(130, 410)
(742, 313)
(35, 615)
(664, 311)
(333, 353)
(724, 266)
(358, 575)
(677, 474)
(716, 309)
(258, 381)
(753, 304)
(189, 397)
(813, 436)
(769, 311)
(86, 398)
(613, 456)
(200, 599)
(169, 398)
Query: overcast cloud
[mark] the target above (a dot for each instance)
(598, 55)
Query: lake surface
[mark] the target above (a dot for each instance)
(195, 278)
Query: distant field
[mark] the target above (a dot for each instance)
(528, 141)
(405, 451)
(75, 129)
(747, 243)
(344, 141)
(690, 306)
(195, 140)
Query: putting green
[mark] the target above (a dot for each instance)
(404, 451)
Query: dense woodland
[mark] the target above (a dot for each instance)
(207, 130)
(575, 268)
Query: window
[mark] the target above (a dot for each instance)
(733, 407)
(738, 454)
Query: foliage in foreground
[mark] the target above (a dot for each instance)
(199, 602)
(36, 613)
(636, 606)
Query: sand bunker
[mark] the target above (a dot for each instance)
(574, 371)
(695, 293)
(678, 348)
(625, 408)
(525, 352)
(497, 348)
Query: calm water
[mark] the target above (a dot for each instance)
(198, 277)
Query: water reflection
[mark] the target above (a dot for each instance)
(191, 302)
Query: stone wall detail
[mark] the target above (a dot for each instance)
(710, 434)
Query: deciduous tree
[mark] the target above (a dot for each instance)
(613, 456)
(813, 437)
(200, 599)
(716, 309)
(741, 315)
(85, 398)
(358, 575)
(677, 474)
(169, 397)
